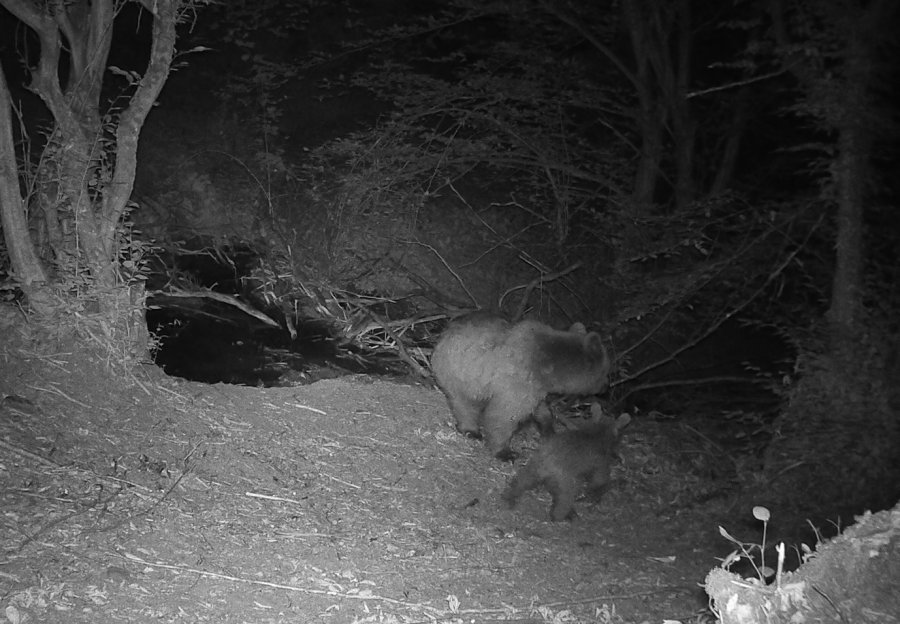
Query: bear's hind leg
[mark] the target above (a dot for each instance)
(502, 416)
(499, 429)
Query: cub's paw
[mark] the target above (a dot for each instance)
(510, 498)
(558, 515)
(506, 455)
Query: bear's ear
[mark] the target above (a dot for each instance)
(596, 410)
(622, 421)
(578, 328)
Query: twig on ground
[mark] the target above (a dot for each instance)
(280, 499)
(432, 611)
(311, 409)
(62, 394)
(341, 481)
(50, 359)
(32, 456)
(294, 588)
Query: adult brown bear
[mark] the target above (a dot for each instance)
(567, 459)
(496, 374)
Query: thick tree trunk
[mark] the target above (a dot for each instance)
(85, 203)
(89, 180)
(839, 437)
(851, 175)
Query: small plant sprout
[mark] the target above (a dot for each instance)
(746, 549)
(762, 514)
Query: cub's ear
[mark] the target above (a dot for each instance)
(578, 328)
(593, 344)
(622, 421)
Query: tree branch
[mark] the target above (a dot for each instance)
(578, 26)
(725, 316)
(132, 119)
(737, 83)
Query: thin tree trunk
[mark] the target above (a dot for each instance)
(26, 265)
(852, 169)
(851, 175)
(651, 117)
(683, 127)
(725, 171)
(651, 123)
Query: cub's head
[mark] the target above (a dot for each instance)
(595, 361)
(614, 426)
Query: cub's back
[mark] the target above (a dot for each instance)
(581, 451)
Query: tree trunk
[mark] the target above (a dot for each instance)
(732, 148)
(88, 195)
(651, 117)
(851, 175)
(683, 126)
(838, 437)
(86, 180)
(27, 268)
(651, 122)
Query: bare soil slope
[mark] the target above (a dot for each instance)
(146, 498)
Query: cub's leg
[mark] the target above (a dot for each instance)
(563, 489)
(526, 479)
(598, 481)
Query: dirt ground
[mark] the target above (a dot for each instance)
(138, 498)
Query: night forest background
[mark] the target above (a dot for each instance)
(711, 185)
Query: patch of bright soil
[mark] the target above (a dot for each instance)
(147, 498)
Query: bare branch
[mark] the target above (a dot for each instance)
(578, 26)
(779, 269)
(541, 279)
(737, 83)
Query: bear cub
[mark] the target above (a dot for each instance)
(497, 374)
(565, 460)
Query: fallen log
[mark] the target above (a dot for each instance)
(157, 299)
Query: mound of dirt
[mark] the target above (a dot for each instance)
(854, 577)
